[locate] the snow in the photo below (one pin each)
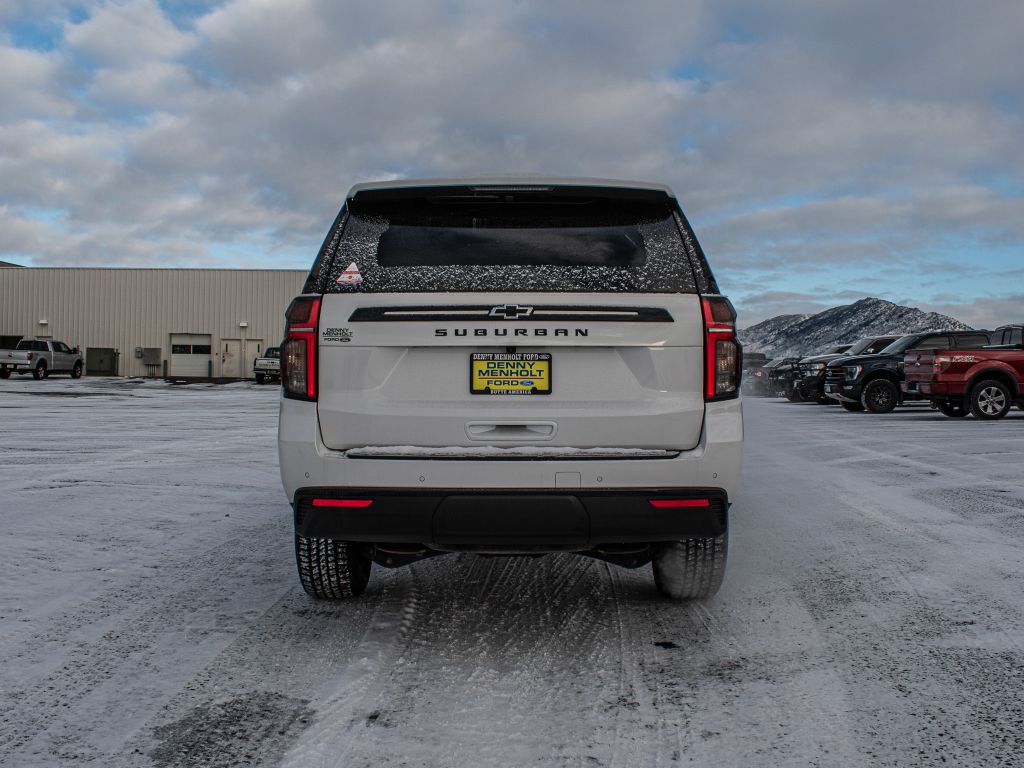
(150, 614)
(498, 452)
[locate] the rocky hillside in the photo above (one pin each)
(800, 335)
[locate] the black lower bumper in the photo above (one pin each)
(495, 520)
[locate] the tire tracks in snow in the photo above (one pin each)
(140, 630)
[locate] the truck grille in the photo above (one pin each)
(835, 376)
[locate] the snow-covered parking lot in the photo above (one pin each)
(873, 612)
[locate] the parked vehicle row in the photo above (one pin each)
(40, 357)
(874, 382)
(960, 372)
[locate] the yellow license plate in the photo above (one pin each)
(510, 373)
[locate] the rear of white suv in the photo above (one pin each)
(505, 367)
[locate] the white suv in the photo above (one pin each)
(507, 367)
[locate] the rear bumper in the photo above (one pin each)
(10, 366)
(511, 520)
(306, 462)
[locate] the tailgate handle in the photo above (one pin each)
(511, 430)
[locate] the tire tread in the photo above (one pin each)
(330, 569)
(691, 569)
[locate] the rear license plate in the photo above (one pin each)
(510, 373)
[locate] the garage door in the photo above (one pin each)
(190, 355)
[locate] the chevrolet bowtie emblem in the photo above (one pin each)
(510, 311)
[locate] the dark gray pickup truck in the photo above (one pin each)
(40, 358)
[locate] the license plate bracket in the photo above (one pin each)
(510, 373)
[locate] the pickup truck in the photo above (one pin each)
(782, 373)
(40, 358)
(267, 366)
(985, 382)
(810, 382)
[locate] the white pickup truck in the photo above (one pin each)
(267, 367)
(40, 357)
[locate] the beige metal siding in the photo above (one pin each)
(128, 308)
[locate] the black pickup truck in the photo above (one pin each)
(811, 379)
(872, 382)
(782, 372)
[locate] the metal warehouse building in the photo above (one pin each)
(182, 323)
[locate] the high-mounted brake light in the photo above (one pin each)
(678, 503)
(299, 350)
(722, 351)
(347, 503)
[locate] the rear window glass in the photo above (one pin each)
(972, 341)
(562, 246)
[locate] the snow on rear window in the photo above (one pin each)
(497, 250)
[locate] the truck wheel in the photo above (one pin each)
(76, 372)
(990, 399)
(795, 396)
(331, 570)
(691, 569)
(259, 378)
(953, 410)
(39, 372)
(5, 374)
(880, 396)
(852, 407)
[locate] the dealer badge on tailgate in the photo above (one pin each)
(510, 373)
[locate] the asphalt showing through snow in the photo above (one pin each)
(872, 614)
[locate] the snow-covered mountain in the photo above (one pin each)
(799, 335)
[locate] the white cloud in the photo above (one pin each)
(127, 34)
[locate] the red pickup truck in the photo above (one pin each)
(985, 382)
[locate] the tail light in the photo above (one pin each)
(299, 350)
(30, 356)
(723, 356)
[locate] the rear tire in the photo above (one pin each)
(795, 396)
(76, 372)
(259, 378)
(880, 396)
(331, 570)
(990, 400)
(852, 407)
(953, 410)
(5, 374)
(691, 569)
(39, 372)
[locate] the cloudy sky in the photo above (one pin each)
(823, 151)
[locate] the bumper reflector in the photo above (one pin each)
(678, 503)
(350, 503)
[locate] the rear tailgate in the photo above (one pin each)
(626, 370)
